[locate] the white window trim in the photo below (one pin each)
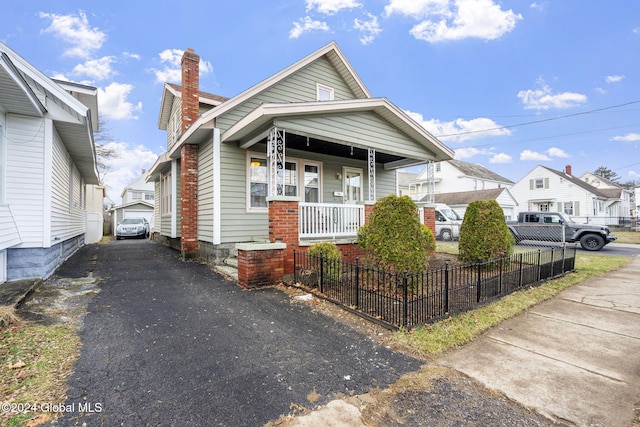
(300, 178)
(320, 87)
(360, 171)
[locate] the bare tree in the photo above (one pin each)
(607, 173)
(103, 153)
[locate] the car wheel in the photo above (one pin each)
(446, 235)
(592, 242)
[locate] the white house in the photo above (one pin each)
(452, 176)
(47, 157)
(137, 201)
(624, 208)
(548, 190)
(459, 201)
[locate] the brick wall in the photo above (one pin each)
(430, 219)
(283, 227)
(257, 268)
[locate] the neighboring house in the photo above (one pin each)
(137, 201)
(459, 201)
(544, 189)
(47, 157)
(405, 181)
(310, 133)
(455, 175)
(615, 191)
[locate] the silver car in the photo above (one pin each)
(133, 227)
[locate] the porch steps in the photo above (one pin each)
(229, 267)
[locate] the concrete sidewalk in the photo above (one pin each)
(574, 359)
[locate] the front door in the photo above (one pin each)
(352, 184)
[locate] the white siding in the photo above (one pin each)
(67, 211)
(9, 234)
(25, 176)
(557, 190)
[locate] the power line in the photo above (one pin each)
(539, 121)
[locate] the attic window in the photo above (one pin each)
(324, 93)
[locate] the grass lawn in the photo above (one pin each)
(35, 363)
(627, 236)
(433, 339)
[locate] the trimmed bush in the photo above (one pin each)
(484, 233)
(394, 238)
(332, 259)
(326, 250)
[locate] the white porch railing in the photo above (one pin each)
(329, 221)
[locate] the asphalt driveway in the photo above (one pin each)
(169, 343)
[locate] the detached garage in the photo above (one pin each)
(138, 209)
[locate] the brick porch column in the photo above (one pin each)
(283, 226)
(430, 218)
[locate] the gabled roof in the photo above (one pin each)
(466, 197)
(71, 118)
(477, 171)
(332, 53)
(580, 183)
(139, 184)
(172, 91)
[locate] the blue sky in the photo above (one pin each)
(506, 84)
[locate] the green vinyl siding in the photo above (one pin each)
(363, 129)
(238, 225)
(298, 87)
(205, 192)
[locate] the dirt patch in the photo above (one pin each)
(434, 396)
(59, 301)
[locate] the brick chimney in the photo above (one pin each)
(567, 170)
(189, 245)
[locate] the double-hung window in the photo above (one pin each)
(165, 194)
(299, 176)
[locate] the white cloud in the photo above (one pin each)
(306, 25)
(538, 6)
(113, 103)
(330, 7)
(75, 30)
(97, 69)
(125, 167)
(532, 155)
(171, 71)
(630, 137)
(501, 158)
(460, 130)
(131, 55)
(442, 20)
(370, 28)
(557, 152)
(543, 98)
(613, 79)
(466, 152)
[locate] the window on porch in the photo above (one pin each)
(309, 175)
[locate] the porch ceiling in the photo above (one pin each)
(344, 129)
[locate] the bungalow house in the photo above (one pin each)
(452, 176)
(548, 190)
(137, 201)
(47, 158)
(459, 201)
(311, 134)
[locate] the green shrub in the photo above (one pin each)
(484, 233)
(327, 250)
(332, 259)
(394, 237)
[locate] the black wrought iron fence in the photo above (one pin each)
(408, 300)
